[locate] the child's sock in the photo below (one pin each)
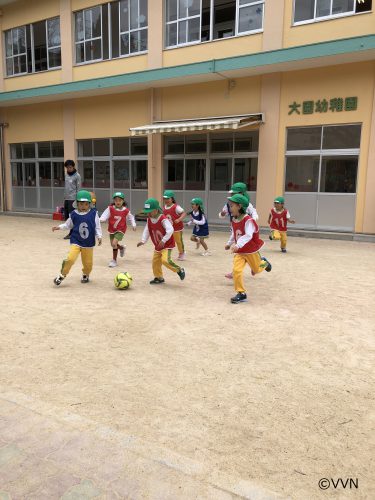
(115, 252)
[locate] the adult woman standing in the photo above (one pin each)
(72, 186)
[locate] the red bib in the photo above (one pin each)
(279, 220)
(157, 232)
(117, 220)
(170, 213)
(252, 246)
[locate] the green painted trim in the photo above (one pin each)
(302, 52)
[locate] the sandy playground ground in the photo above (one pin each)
(278, 391)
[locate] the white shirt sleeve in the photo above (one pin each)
(252, 212)
(249, 231)
(105, 215)
(200, 222)
(98, 228)
(145, 234)
(287, 214)
(130, 219)
(231, 239)
(68, 224)
(169, 230)
(179, 210)
(225, 210)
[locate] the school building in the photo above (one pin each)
(192, 95)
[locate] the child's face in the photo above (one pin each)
(278, 206)
(168, 201)
(153, 214)
(234, 208)
(194, 206)
(83, 206)
(118, 202)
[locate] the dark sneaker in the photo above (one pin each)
(240, 297)
(157, 281)
(85, 278)
(270, 237)
(283, 250)
(268, 267)
(67, 237)
(58, 280)
(181, 273)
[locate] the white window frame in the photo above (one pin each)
(13, 56)
(249, 3)
(317, 19)
(52, 46)
(130, 30)
(85, 40)
(181, 19)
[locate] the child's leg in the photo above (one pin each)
(257, 263)
(196, 240)
(283, 240)
(114, 245)
(204, 244)
(168, 262)
(156, 264)
(239, 263)
(275, 235)
(67, 264)
(87, 257)
(179, 242)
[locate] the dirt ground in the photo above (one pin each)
(278, 391)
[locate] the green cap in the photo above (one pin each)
(197, 201)
(168, 194)
(118, 194)
(84, 196)
(279, 199)
(238, 187)
(150, 205)
(240, 199)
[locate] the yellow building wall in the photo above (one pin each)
(336, 81)
(247, 44)
(211, 99)
(111, 116)
(322, 31)
(33, 80)
(110, 68)
(28, 11)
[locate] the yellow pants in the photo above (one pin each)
(86, 258)
(279, 235)
(178, 238)
(163, 258)
(255, 262)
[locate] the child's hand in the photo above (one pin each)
(134, 228)
(99, 242)
(235, 249)
(227, 247)
(190, 222)
(160, 246)
(55, 228)
(140, 244)
(292, 221)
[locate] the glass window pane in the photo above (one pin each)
(125, 47)
(221, 174)
(195, 175)
(88, 24)
(45, 173)
(16, 150)
(101, 174)
(96, 21)
(44, 150)
(246, 141)
(323, 8)
(80, 33)
(17, 177)
(194, 29)
(139, 146)
(251, 18)
(115, 30)
(19, 40)
(53, 29)
(302, 173)
(8, 43)
(80, 52)
(339, 174)
(29, 150)
(143, 15)
(87, 171)
(171, 10)
(304, 138)
(303, 10)
(134, 14)
(54, 57)
(246, 170)
(174, 174)
(196, 144)
(174, 144)
(135, 42)
(364, 6)
(341, 137)
(193, 7)
(9, 64)
(139, 174)
(182, 8)
(30, 174)
(93, 50)
(342, 6)
(224, 18)
(182, 32)
(105, 34)
(58, 174)
(124, 15)
(222, 143)
(121, 174)
(101, 147)
(121, 146)
(143, 34)
(57, 149)
(85, 148)
(171, 34)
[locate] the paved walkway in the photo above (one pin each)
(49, 454)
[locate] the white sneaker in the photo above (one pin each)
(181, 256)
(206, 254)
(112, 263)
(122, 251)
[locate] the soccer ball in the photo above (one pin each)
(123, 281)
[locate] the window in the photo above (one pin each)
(139, 174)
(302, 173)
(246, 170)
(310, 10)
(111, 30)
(121, 174)
(33, 48)
(174, 174)
(339, 174)
(193, 21)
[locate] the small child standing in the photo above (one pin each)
(176, 215)
(278, 220)
(118, 216)
(245, 244)
(200, 231)
(160, 230)
(85, 226)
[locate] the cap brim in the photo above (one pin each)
(148, 210)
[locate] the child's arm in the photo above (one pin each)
(200, 222)
(130, 220)
(145, 236)
(168, 233)
(98, 229)
(224, 212)
(105, 215)
(251, 210)
(249, 231)
(181, 212)
(230, 241)
(68, 224)
(292, 221)
(269, 218)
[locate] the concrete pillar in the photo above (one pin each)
(2, 52)
(268, 185)
(273, 25)
(67, 37)
(69, 131)
(155, 34)
(155, 149)
(369, 202)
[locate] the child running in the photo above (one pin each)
(160, 230)
(278, 220)
(176, 215)
(200, 231)
(118, 216)
(85, 226)
(245, 244)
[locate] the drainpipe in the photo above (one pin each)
(2, 164)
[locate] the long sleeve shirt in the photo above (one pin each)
(68, 224)
(167, 226)
(129, 218)
(251, 210)
(249, 231)
(72, 186)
